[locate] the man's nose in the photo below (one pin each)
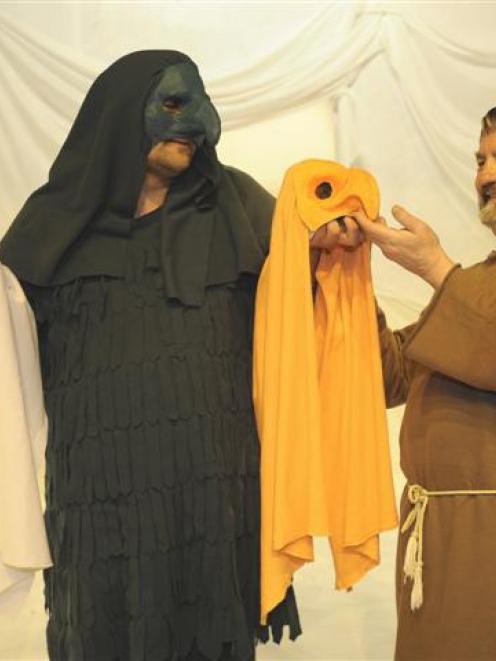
(488, 171)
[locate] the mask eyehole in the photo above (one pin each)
(172, 103)
(323, 190)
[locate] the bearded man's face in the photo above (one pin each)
(485, 181)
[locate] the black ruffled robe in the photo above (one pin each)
(145, 336)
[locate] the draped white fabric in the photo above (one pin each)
(403, 86)
(408, 87)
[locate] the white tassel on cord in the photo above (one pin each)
(417, 596)
(413, 562)
(410, 555)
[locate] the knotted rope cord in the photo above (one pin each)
(413, 563)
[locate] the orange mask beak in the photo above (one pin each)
(326, 191)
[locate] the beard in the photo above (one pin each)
(487, 214)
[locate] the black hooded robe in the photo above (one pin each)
(145, 331)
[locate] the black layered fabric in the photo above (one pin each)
(145, 330)
(152, 467)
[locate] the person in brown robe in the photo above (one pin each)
(444, 369)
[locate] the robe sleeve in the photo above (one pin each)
(396, 369)
(258, 203)
(23, 431)
(456, 334)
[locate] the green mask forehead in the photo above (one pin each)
(179, 107)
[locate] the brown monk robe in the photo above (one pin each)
(444, 368)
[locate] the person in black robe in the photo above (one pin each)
(140, 257)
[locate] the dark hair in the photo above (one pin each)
(488, 123)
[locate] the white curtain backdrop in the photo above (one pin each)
(397, 88)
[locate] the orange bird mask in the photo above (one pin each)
(318, 389)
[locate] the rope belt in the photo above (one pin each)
(412, 567)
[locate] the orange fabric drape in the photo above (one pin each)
(318, 390)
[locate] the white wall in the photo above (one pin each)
(266, 149)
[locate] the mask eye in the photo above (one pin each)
(323, 190)
(171, 103)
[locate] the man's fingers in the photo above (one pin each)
(333, 227)
(378, 232)
(406, 219)
(357, 226)
(326, 237)
(353, 236)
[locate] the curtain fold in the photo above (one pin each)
(438, 76)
